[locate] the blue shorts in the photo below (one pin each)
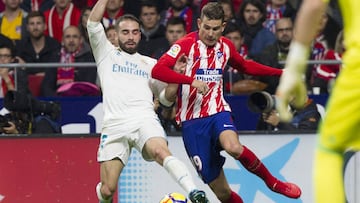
(201, 140)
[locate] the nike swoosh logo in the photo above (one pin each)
(226, 126)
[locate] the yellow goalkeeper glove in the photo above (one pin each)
(292, 87)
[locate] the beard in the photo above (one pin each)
(129, 50)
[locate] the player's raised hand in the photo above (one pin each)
(292, 86)
(201, 86)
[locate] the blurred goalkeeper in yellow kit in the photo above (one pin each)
(340, 130)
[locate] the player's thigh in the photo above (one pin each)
(110, 172)
(152, 139)
(114, 144)
(341, 126)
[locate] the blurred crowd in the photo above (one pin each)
(54, 31)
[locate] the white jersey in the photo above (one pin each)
(124, 80)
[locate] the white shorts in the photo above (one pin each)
(117, 141)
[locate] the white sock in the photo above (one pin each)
(99, 195)
(179, 172)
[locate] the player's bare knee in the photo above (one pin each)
(234, 149)
(160, 153)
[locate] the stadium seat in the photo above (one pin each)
(35, 84)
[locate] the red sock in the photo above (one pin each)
(249, 160)
(252, 163)
(234, 198)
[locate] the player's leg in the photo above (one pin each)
(230, 142)
(113, 154)
(338, 132)
(157, 150)
(109, 175)
(223, 191)
(328, 177)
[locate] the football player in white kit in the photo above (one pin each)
(129, 117)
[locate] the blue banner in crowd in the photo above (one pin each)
(84, 114)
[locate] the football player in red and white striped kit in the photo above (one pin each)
(205, 116)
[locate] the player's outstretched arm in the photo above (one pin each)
(98, 11)
(292, 84)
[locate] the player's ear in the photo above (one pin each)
(223, 26)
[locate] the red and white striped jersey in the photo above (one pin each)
(205, 64)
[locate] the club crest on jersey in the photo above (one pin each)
(174, 50)
(220, 56)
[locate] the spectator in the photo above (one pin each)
(236, 35)
(181, 9)
(229, 11)
(6, 74)
(37, 47)
(320, 45)
(73, 49)
(277, 9)
(151, 29)
(36, 5)
(114, 9)
(325, 74)
(305, 118)
(26, 114)
(252, 16)
(272, 54)
(231, 76)
(12, 20)
(112, 35)
(319, 48)
(133, 6)
(60, 16)
(175, 29)
(85, 12)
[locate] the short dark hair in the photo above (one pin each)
(213, 11)
(4, 45)
(176, 21)
(34, 14)
(233, 27)
(149, 3)
(126, 17)
(111, 27)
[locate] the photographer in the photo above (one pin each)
(27, 115)
(306, 118)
